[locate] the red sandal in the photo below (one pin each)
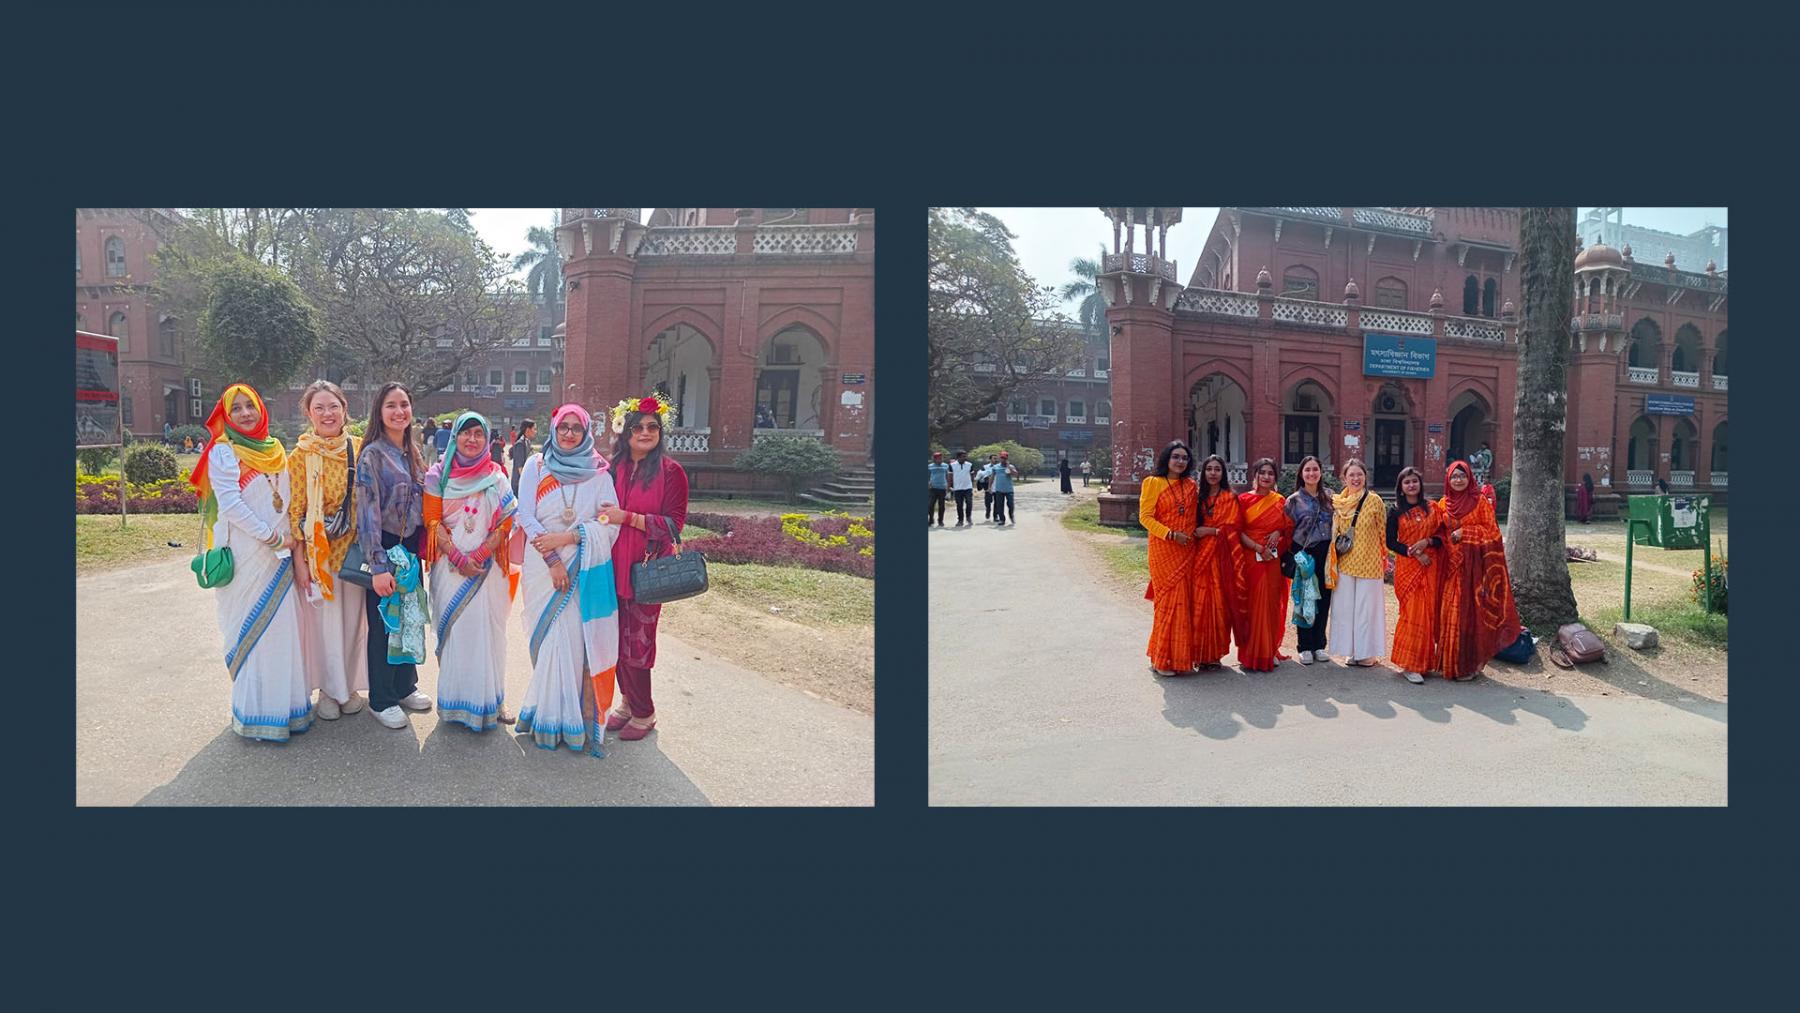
(633, 732)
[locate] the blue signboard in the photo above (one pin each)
(1395, 355)
(1668, 404)
(1077, 435)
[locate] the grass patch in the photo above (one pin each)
(1681, 620)
(101, 544)
(1128, 560)
(1085, 516)
(813, 597)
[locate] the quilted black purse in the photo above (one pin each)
(668, 578)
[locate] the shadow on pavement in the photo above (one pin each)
(356, 761)
(1622, 671)
(1222, 703)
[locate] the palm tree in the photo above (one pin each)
(1535, 555)
(1086, 288)
(544, 283)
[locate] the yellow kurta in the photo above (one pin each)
(336, 479)
(1366, 557)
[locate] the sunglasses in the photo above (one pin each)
(646, 427)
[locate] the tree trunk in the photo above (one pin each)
(1535, 554)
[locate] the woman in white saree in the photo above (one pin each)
(468, 514)
(571, 603)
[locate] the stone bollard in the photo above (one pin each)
(1636, 636)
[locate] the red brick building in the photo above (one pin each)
(113, 276)
(1250, 360)
(1065, 417)
(754, 320)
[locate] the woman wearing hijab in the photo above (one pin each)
(242, 481)
(334, 631)
(1358, 593)
(1477, 615)
(1215, 564)
(390, 529)
(1169, 508)
(1415, 537)
(1067, 488)
(468, 514)
(1265, 532)
(653, 504)
(1584, 499)
(571, 599)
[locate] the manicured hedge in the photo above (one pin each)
(837, 543)
(101, 496)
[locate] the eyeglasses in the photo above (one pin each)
(1178, 457)
(575, 430)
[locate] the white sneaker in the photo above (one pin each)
(416, 701)
(1306, 657)
(393, 717)
(354, 704)
(327, 710)
(1414, 678)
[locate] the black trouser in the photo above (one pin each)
(1084, 480)
(936, 507)
(965, 506)
(1313, 638)
(388, 684)
(987, 504)
(1003, 508)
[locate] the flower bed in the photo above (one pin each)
(835, 542)
(100, 495)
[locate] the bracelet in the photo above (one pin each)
(274, 540)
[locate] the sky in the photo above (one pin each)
(1048, 238)
(504, 228)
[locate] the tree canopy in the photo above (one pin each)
(257, 325)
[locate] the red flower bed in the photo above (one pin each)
(101, 496)
(761, 540)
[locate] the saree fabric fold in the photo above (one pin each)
(472, 611)
(1417, 587)
(1166, 506)
(1216, 589)
(1264, 595)
(1477, 616)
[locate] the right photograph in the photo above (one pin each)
(1328, 506)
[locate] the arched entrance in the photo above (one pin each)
(1684, 446)
(679, 362)
(1645, 348)
(1640, 453)
(1305, 411)
(1217, 408)
(1717, 464)
(789, 380)
(1684, 359)
(1719, 371)
(1471, 424)
(1389, 446)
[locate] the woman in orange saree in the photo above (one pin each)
(1265, 530)
(1215, 564)
(1477, 616)
(1415, 535)
(1168, 508)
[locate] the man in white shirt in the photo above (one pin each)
(962, 486)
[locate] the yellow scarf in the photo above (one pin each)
(1343, 507)
(314, 450)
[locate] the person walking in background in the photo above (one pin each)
(1267, 531)
(1477, 615)
(1359, 620)
(938, 480)
(1309, 507)
(984, 481)
(962, 488)
(1483, 462)
(1000, 478)
(521, 451)
(441, 441)
(1584, 499)
(1415, 537)
(1216, 615)
(428, 430)
(1063, 467)
(1168, 508)
(1086, 468)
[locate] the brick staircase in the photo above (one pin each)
(848, 490)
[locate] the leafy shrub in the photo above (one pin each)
(94, 460)
(835, 542)
(356, 428)
(146, 463)
(1100, 461)
(101, 496)
(1025, 459)
(1502, 494)
(1720, 586)
(796, 460)
(197, 433)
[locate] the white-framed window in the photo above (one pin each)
(522, 341)
(125, 411)
(119, 327)
(468, 380)
(115, 257)
(544, 334)
(1101, 367)
(496, 378)
(165, 336)
(1017, 410)
(1077, 411)
(992, 416)
(521, 379)
(1047, 406)
(543, 384)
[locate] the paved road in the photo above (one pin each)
(153, 728)
(1041, 695)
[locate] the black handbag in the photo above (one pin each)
(355, 568)
(668, 578)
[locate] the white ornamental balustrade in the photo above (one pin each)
(1137, 263)
(1082, 419)
(805, 240)
(1100, 374)
(1639, 479)
(761, 434)
(1392, 220)
(689, 241)
(690, 441)
(1217, 303)
(1719, 382)
(1718, 479)
(1641, 374)
(1238, 474)
(1389, 322)
(1476, 330)
(1681, 379)
(1681, 480)
(1102, 420)
(1310, 314)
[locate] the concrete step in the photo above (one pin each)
(835, 502)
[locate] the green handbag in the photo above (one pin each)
(212, 567)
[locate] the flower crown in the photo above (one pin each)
(655, 404)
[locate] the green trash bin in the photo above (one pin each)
(1671, 522)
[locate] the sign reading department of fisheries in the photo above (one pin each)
(1397, 355)
(1668, 404)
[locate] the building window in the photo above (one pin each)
(125, 412)
(1047, 407)
(115, 257)
(1301, 436)
(81, 325)
(1103, 411)
(522, 341)
(1390, 294)
(117, 326)
(469, 380)
(1077, 411)
(543, 386)
(1101, 365)
(521, 379)
(1471, 296)
(544, 336)
(1490, 294)
(495, 378)
(1016, 410)
(1300, 283)
(165, 337)
(77, 254)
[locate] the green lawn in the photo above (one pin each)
(813, 597)
(101, 544)
(1085, 516)
(758, 507)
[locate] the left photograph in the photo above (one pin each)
(474, 506)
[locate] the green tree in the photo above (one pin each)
(990, 330)
(256, 325)
(797, 460)
(1086, 287)
(544, 281)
